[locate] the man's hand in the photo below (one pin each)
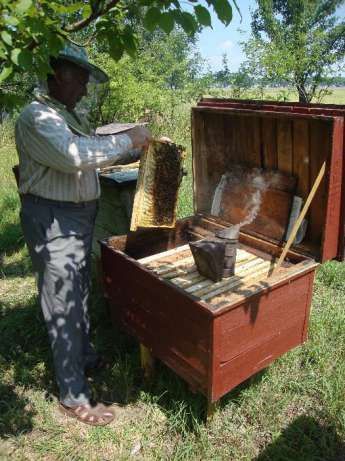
(140, 137)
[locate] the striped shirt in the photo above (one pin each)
(56, 163)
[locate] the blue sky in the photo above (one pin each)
(213, 43)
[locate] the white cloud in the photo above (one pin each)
(226, 45)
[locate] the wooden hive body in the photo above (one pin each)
(215, 346)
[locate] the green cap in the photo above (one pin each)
(77, 54)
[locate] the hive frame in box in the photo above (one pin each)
(200, 350)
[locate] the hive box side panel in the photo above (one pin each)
(174, 327)
(252, 335)
(334, 234)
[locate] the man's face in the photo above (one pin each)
(72, 83)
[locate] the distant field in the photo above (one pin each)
(337, 95)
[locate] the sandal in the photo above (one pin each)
(95, 415)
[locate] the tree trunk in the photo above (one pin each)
(302, 94)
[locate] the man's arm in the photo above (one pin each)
(49, 141)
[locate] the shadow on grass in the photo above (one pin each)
(305, 439)
(23, 350)
(15, 415)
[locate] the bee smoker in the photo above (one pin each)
(215, 258)
(229, 236)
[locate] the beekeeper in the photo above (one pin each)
(59, 189)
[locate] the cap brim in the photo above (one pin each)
(96, 74)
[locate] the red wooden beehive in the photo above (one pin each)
(215, 343)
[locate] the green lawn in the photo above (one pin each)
(292, 411)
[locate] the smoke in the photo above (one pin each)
(241, 179)
(255, 203)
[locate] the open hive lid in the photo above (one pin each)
(295, 145)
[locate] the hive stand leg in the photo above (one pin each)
(211, 410)
(147, 362)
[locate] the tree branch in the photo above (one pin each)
(79, 25)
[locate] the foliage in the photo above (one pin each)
(298, 41)
(222, 78)
(34, 30)
(154, 85)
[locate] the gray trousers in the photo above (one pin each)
(59, 239)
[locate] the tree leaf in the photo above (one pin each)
(86, 11)
(166, 22)
(11, 21)
(116, 49)
(223, 10)
(22, 58)
(6, 38)
(14, 56)
(5, 72)
(67, 9)
(187, 22)
(23, 6)
(152, 18)
(55, 43)
(129, 42)
(203, 15)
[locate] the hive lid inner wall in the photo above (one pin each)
(293, 144)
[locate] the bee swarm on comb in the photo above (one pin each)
(157, 188)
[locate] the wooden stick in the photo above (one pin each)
(301, 216)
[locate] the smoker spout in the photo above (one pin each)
(231, 233)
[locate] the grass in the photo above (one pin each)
(292, 411)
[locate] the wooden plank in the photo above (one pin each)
(301, 156)
(164, 254)
(280, 278)
(264, 113)
(319, 152)
(214, 140)
(201, 192)
(267, 328)
(207, 288)
(242, 283)
(334, 205)
(231, 148)
(269, 143)
(284, 146)
(248, 325)
(253, 141)
(252, 361)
